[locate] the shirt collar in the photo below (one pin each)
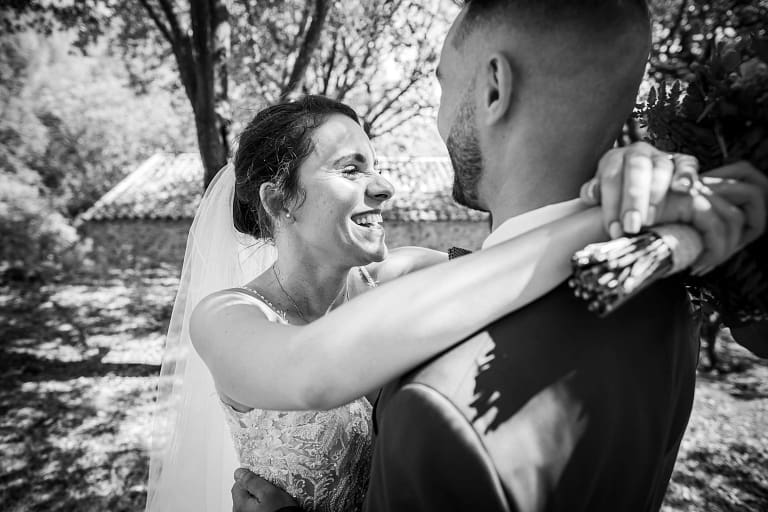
(533, 219)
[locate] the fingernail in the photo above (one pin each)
(239, 474)
(632, 221)
(651, 217)
(682, 184)
(614, 230)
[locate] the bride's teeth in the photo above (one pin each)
(368, 218)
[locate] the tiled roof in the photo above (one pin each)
(167, 187)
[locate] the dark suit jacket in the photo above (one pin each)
(549, 408)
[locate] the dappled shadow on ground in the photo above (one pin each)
(58, 453)
(24, 367)
(78, 363)
(722, 460)
(739, 373)
(717, 480)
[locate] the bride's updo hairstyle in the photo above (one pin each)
(271, 149)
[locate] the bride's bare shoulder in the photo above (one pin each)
(220, 309)
(404, 260)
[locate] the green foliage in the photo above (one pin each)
(722, 117)
(687, 32)
(38, 242)
(71, 128)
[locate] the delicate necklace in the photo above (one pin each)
(296, 306)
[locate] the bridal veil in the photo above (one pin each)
(192, 456)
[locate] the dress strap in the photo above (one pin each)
(271, 307)
(367, 277)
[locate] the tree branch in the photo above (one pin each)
(158, 22)
(330, 63)
(173, 21)
(310, 43)
(386, 105)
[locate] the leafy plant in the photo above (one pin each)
(722, 117)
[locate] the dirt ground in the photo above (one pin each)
(77, 370)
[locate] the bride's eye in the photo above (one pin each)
(350, 170)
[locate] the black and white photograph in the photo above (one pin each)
(384, 255)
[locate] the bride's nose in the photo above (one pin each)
(379, 189)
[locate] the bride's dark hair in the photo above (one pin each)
(271, 149)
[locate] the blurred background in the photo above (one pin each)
(113, 118)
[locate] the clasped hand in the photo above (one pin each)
(639, 186)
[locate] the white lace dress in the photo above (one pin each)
(321, 458)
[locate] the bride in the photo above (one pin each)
(291, 336)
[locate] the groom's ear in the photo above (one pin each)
(498, 88)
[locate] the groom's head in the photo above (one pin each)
(539, 82)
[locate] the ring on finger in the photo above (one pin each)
(590, 191)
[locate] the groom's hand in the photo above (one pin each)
(728, 207)
(742, 185)
(251, 493)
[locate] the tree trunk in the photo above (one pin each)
(210, 101)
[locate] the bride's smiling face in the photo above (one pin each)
(339, 213)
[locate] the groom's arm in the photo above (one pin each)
(428, 458)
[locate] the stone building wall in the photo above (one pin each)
(138, 243)
(146, 243)
(437, 235)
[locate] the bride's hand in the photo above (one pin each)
(727, 207)
(251, 493)
(631, 183)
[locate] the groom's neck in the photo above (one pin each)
(520, 179)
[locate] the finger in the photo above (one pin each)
(636, 191)
(242, 501)
(713, 233)
(250, 482)
(696, 210)
(733, 220)
(686, 173)
(609, 172)
(749, 199)
(741, 171)
(663, 170)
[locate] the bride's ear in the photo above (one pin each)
(497, 84)
(272, 199)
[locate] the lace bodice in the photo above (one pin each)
(321, 458)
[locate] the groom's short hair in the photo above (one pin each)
(595, 18)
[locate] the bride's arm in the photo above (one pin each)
(383, 333)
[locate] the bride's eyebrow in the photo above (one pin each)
(355, 157)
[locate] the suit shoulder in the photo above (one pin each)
(424, 437)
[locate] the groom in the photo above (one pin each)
(549, 408)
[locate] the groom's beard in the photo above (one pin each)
(466, 157)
